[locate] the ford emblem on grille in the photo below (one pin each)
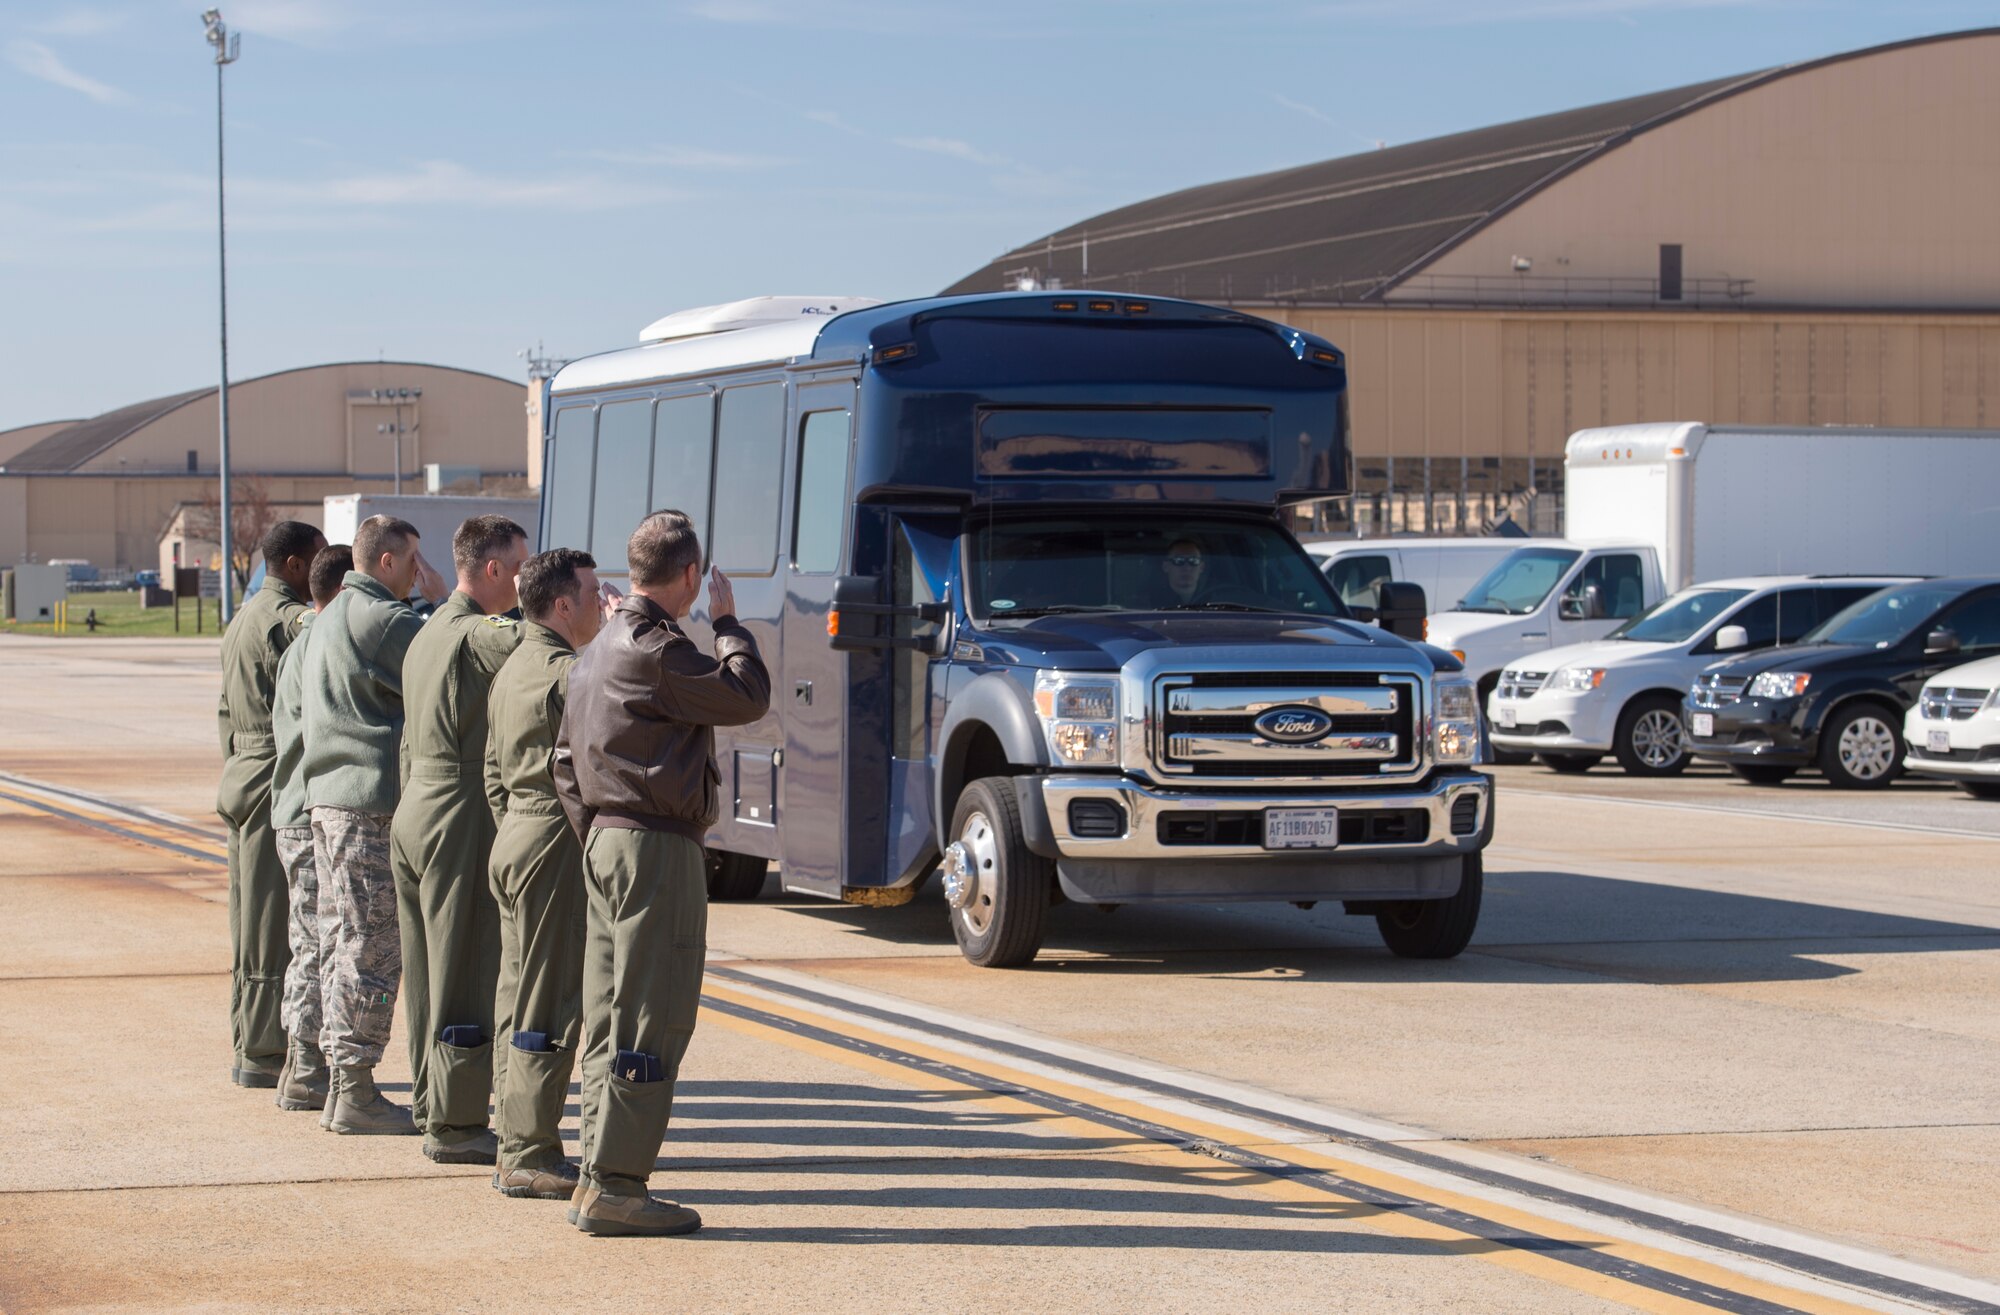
(1294, 725)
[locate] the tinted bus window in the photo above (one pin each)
(566, 483)
(749, 465)
(822, 497)
(624, 447)
(683, 434)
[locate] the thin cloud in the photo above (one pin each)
(690, 157)
(829, 119)
(76, 21)
(290, 20)
(1452, 13)
(38, 61)
(953, 147)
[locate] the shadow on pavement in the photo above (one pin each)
(1536, 926)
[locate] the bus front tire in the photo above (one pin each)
(1435, 928)
(997, 888)
(735, 877)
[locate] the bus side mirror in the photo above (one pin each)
(859, 619)
(1940, 642)
(1730, 638)
(1401, 608)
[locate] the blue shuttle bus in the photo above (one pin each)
(1019, 566)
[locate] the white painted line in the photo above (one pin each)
(1348, 1123)
(1769, 814)
(108, 807)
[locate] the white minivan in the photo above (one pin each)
(1622, 694)
(1953, 732)
(1445, 568)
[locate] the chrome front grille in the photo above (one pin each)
(1711, 691)
(1945, 703)
(1521, 684)
(1208, 724)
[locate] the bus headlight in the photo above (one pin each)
(1079, 717)
(1455, 721)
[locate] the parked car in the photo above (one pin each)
(1954, 731)
(1622, 694)
(1444, 568)
(1838, 700)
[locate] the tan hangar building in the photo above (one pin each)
(109, 490)
(1806, 245)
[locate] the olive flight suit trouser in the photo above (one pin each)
(646, 938)
(439, 847)
(259, 905)
(538, 885)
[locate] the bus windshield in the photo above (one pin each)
(1520, 582)
(1681, 617)
(1017, 570)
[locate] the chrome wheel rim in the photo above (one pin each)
(971, 869)
(1657, 738)
(1867, 748)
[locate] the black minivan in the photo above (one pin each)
(1836, 700)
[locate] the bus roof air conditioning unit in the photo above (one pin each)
(749, 313)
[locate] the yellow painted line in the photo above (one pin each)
(1391, 1221)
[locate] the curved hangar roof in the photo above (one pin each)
(1353, 228)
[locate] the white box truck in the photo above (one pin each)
(434, 516)
(1651, 509)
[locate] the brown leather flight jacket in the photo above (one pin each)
(636, 749)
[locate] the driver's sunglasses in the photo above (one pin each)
(1184, 559)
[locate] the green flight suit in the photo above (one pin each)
(538, 883)
(439, 845)
(259, 910)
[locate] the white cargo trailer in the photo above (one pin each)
(1720, 500)
(435, 517)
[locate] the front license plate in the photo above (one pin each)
(1940, 741)
(1704, 724)
(1301, 828)
(1505, 717)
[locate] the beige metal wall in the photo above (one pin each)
(1868, 182)
(319, 421)
(114, 521)
(1490, 397)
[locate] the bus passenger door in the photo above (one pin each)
(810, 693)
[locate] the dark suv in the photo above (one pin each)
(1837, 699)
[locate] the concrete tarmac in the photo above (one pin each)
(1671, 1021)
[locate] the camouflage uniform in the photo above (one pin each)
(259, 950)
(352, 713)
(441, 842)
(538, 882)
(358, 977)
(302, 1012)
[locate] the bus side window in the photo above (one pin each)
(683, 446)
(567, 481)
(820, 509)
(624, 442)
(749, 465)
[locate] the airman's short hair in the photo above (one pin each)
(550, 575)
(480, 539)
(288, 539)
(662, 548)
(330, 566)
(380, 534)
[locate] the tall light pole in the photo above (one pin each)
(227, 47)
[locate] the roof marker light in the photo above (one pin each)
(896, 353)
(1065, 305)
(1103, 306)
(1136, 308)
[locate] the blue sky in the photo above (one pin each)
(454, 181)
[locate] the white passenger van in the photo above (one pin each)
(1445, 568)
